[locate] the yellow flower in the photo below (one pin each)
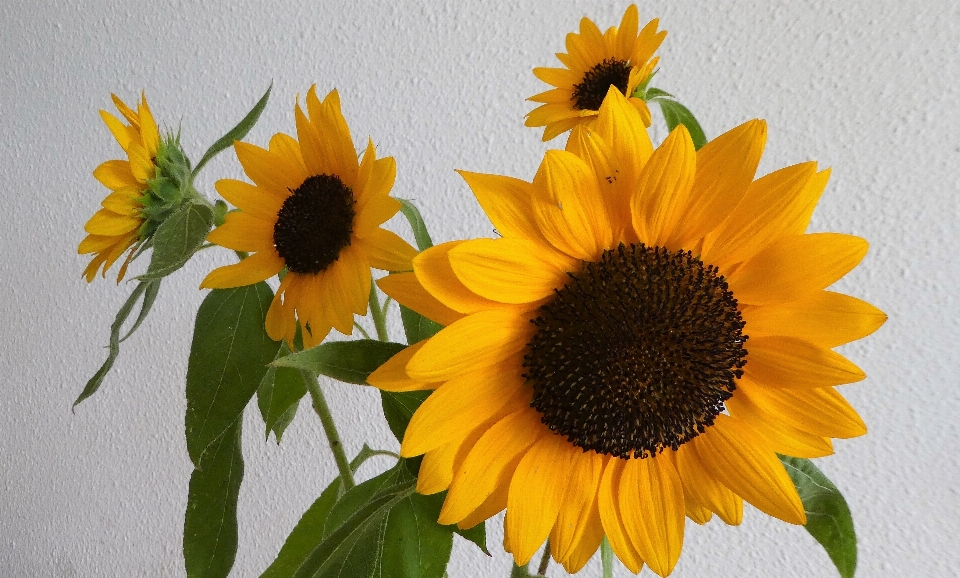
(594, 62)
(595, 376)
(118, 225)
(316, 211)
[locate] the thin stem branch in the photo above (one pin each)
(544, 560)
(379, 314)
(606, 558)
(362, 330)
(330, 429)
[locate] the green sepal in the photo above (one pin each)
(228, 359)
(178, 238)
(676, 114)
(415, 219)
(210, 523)
(278, 396)
(346, 361)
(237, 132)
(828, 517)
(521, 572)
(146, 289)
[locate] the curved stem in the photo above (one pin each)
(379, 314)
(330, 429)
(544, 560)
(606, 558)
(362, 330)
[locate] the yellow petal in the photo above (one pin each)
(648, 41)
(663, 188)
(603, 162)
(120, 131)
(507, 203)
(96, 243)
(769, 205)
(778, 361)
(376, 213)
(627, 33)
(328, 119)
(495, 503)
(150, 133)
(510, 270)
(376, 188)
(463, 403)
(349, 284)
(392, 375)
(559, 127)
(124, 202)
(281, 321)
(824, 318)
(255, 268)
(608, 502)
(386, 250)
(258, 202)
(556, 76)
(781, 437)
(126, 111)
(703, 489)
(267, 169)
(622, 127)
(436, 469)
(536, 491)
(243, 232)
(108, 223)
(809, 199)
(588, 543)
(407, 290)
(821, 411)
(491, 463)
(116, 175)
(287, 147)
(795, 267)
(476, 341)
(316, 156)
(736, 456)
(435, 274)
(569, 207)
(651, 505)
(573, 518)
(725, 168)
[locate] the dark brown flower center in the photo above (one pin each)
(637, 353)
(588, 95)
(314, 224)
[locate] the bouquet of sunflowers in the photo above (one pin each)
(648, 337)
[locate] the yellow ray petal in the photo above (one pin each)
(824, 318)
(739, 459)
(471, 343)
(580, 498)
(495, 503)
(116, 175)
(374, 214)
(559, 127)
(335, 134)
(243, 232)
(651, 506)
(510, 270)
(255, 268)
(809, 199)
(268, 170)
(316, 156)
(556, 76)
(96, 243)
(141, 163)
(627, 33)
(392, 375)
(725, 168)
(588, 543)
(506, 201)
(124, 202)
(795, 267)
(622, 127)
(407, 290)
(536, 491)
(778, 361)
(150, 133)
(704, 489)
(602, 160)
(491, 463)
(386, 250)
(435, 274)
(663, 188)
(821, 411)
(781, 437)
(280, 316)
(569, 208)
(108, 223)
(285, 146)
(608, 502)
(126, 111)
(258, 202)
(463, 403)
(120, 131)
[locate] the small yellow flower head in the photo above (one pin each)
(315, 210)
(595, 61)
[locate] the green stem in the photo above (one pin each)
(379, 314)
(544, 560)
(362, 330)
(330, 429)
(606, 558)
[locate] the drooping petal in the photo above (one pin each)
(255, 268)
(608, 502)
(578, 501)
(105, 222)
(651, 506)
(704, 489)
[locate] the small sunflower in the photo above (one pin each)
(315, 211)
(118, 226)
(595, 376)
(594, 62)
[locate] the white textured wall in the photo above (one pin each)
(867, 87)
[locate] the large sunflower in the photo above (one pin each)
(595, 376)
(593, 63)
(315, 211)
(118, 225)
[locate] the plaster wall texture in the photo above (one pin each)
(869, 88)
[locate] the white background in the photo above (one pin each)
(867, 87)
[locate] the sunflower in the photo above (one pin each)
(593, 63)
(595, 375)
(315, 211)
(118, 226)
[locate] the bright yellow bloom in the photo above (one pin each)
(117, 226)
(594, 62)
(595, 376)
(316, 211)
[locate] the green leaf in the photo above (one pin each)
(676, 114)
(416, 327)
(828, 516)
(279, 394)
(147, 289)
(398, 408)
(237, 132)
(346, 361)
(228, 360)
(476, 534)
(420, 233)
(210, 524)
(656, 93)
(178, 238)
(413, 544)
